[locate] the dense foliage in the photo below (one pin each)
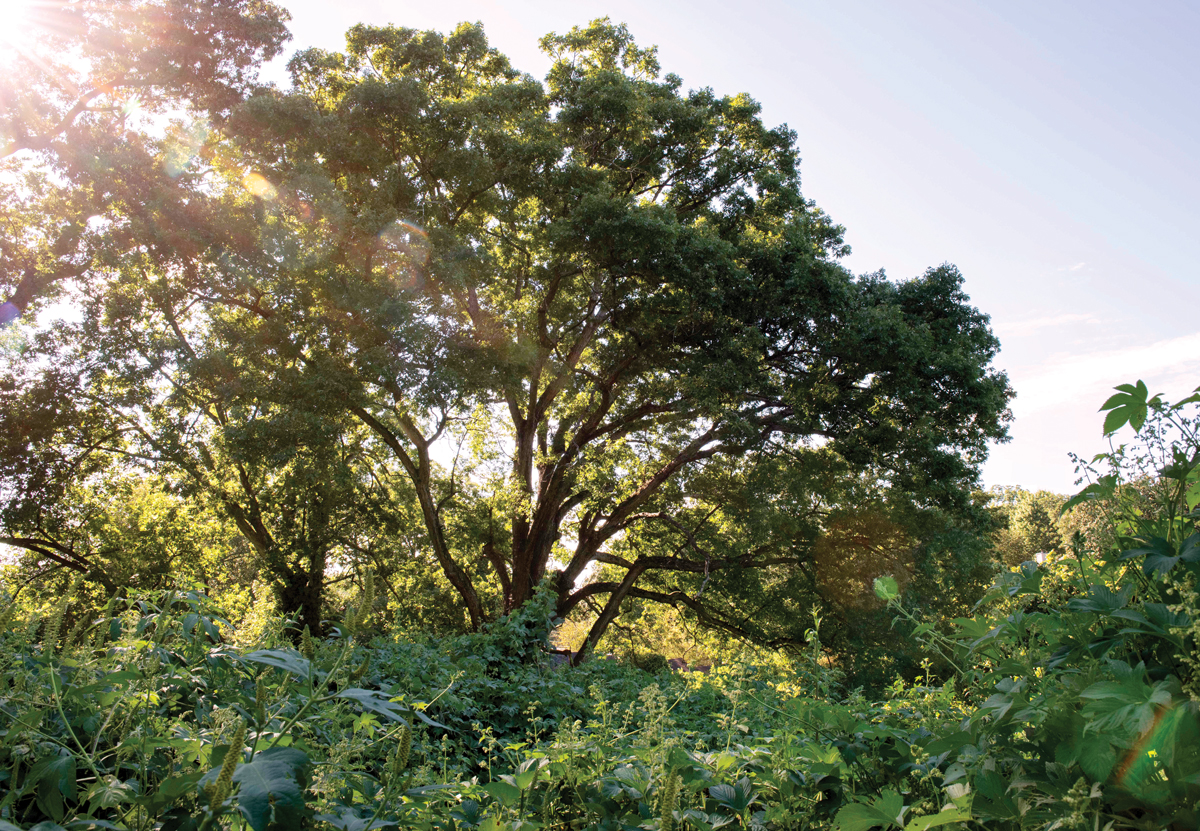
(1071, 702)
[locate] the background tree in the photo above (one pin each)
(1030, 524)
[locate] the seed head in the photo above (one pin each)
(403, 748)
(219, 790)
(53, 628)
(307, 648)
(366, 604)
(668, 800)
(260, 702)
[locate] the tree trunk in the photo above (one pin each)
(300, 594)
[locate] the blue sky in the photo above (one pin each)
(1050, 150)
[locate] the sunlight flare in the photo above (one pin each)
(16, 20)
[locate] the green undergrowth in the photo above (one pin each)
(1070, 703)
(128, 722)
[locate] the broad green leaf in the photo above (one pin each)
(419, 713)
(1123, 707)
(56, 780)
(527, 772)
(953, 741)
(884, 811)
(502, 792)
(380, 703)
(737, 797)
(724, 761)
(722, 793)
(1128, 406)
(289, 660)
(944, 817)
(1101, 600)
(109, 793)
(1097, 757)
(468, 811)
(1161, 556)
(271, 789)
(954, 773)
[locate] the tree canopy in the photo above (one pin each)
(586, 333)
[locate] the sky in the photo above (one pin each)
(1049, 150)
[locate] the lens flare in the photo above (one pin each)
(1139, 769)
(402, 252)
(8, 313)
(183, 147)
(258, 185)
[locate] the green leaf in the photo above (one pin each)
(380, 703)
(527, 771)
(1160, 555)
(1094, 753)
(1128, 406)
(271, 789)
(954, 741)
(722, 793)
(1101, 599)
(109, 793)
(347, 820)
(737, 797)
(1124, 708)
(884, 811)
(502, 792)
(56, 779)
(944, 817)
(468, 812)
(289, 660)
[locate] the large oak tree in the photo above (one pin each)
(563, 327)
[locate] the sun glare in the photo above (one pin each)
(16, 21)
(15, 16)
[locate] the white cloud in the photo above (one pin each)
(1171, 366)
(1026, 327)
